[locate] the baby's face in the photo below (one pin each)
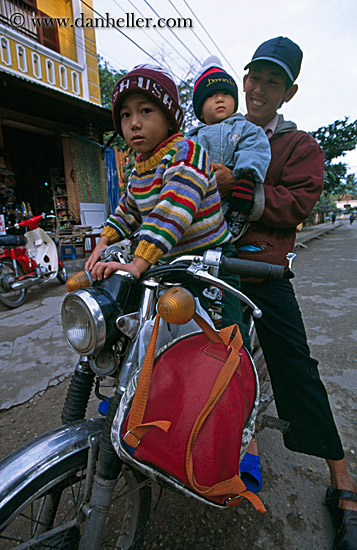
(217, 107)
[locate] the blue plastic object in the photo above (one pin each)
(68, 251)
(250, 472)
(103, 407)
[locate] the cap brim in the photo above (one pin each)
(273, 60)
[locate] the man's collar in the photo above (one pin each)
(270, 128)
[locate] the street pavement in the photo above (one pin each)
(33, 350)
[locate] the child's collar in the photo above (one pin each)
(161, 150)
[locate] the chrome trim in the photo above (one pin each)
(96, 316)
(18, 470)
(148, 301)
(124, 274)
(186, 258)
(129, 324)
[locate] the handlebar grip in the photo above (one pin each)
(248, 268)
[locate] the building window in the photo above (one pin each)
(75, 83)
(5, 51)
(50, 70)
(21, 58)
(63, 77)
(36, 65)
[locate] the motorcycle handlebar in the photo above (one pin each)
(248, 268)
(31, 221)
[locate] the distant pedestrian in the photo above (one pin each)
(333, 217)
(352, 218)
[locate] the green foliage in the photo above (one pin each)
(336, 140)
(325, 204)
(108, 77)
(185, 89)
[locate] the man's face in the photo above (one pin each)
(144, 124)
(265, 90)
(217, 107)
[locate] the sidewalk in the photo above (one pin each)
(306, 235)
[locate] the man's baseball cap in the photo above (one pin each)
(283, 52)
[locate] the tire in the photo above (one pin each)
(54, 498)
(62, 275)
(14, 298)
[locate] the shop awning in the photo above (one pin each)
(20, 96)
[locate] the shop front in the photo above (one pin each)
(51, 152)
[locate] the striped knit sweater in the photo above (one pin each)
(173, 196)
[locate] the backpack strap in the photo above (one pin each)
(136, 428)
(231, 337)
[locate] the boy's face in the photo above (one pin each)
(143, 123)
(217, 107)
(265, 91)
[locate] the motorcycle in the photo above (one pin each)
(68, 488)
(27, 260)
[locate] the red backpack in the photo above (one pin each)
(189, 410)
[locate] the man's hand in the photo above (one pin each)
(224, 178)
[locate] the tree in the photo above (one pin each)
(335, 140)
(185, 89)
(108, 77)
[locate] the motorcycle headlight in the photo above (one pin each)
(89, 315)
(83, 323)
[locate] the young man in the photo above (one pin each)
(292, 186)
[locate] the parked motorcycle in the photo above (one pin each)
(68, 488)
(27, 260)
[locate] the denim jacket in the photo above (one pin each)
(237, 144)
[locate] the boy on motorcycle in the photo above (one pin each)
(172, 195)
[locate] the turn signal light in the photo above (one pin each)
(82, 279)
(176, 306)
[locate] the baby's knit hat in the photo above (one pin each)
(210, 79)
(154, 82)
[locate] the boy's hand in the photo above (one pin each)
(101, 245)
(224, 178)
(104, 269)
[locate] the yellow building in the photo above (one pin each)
(51, 119)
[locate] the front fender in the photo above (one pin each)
(19, 469)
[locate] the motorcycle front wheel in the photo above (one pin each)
(13, 298)
(49, 516)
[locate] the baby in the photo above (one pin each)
(232, 141)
